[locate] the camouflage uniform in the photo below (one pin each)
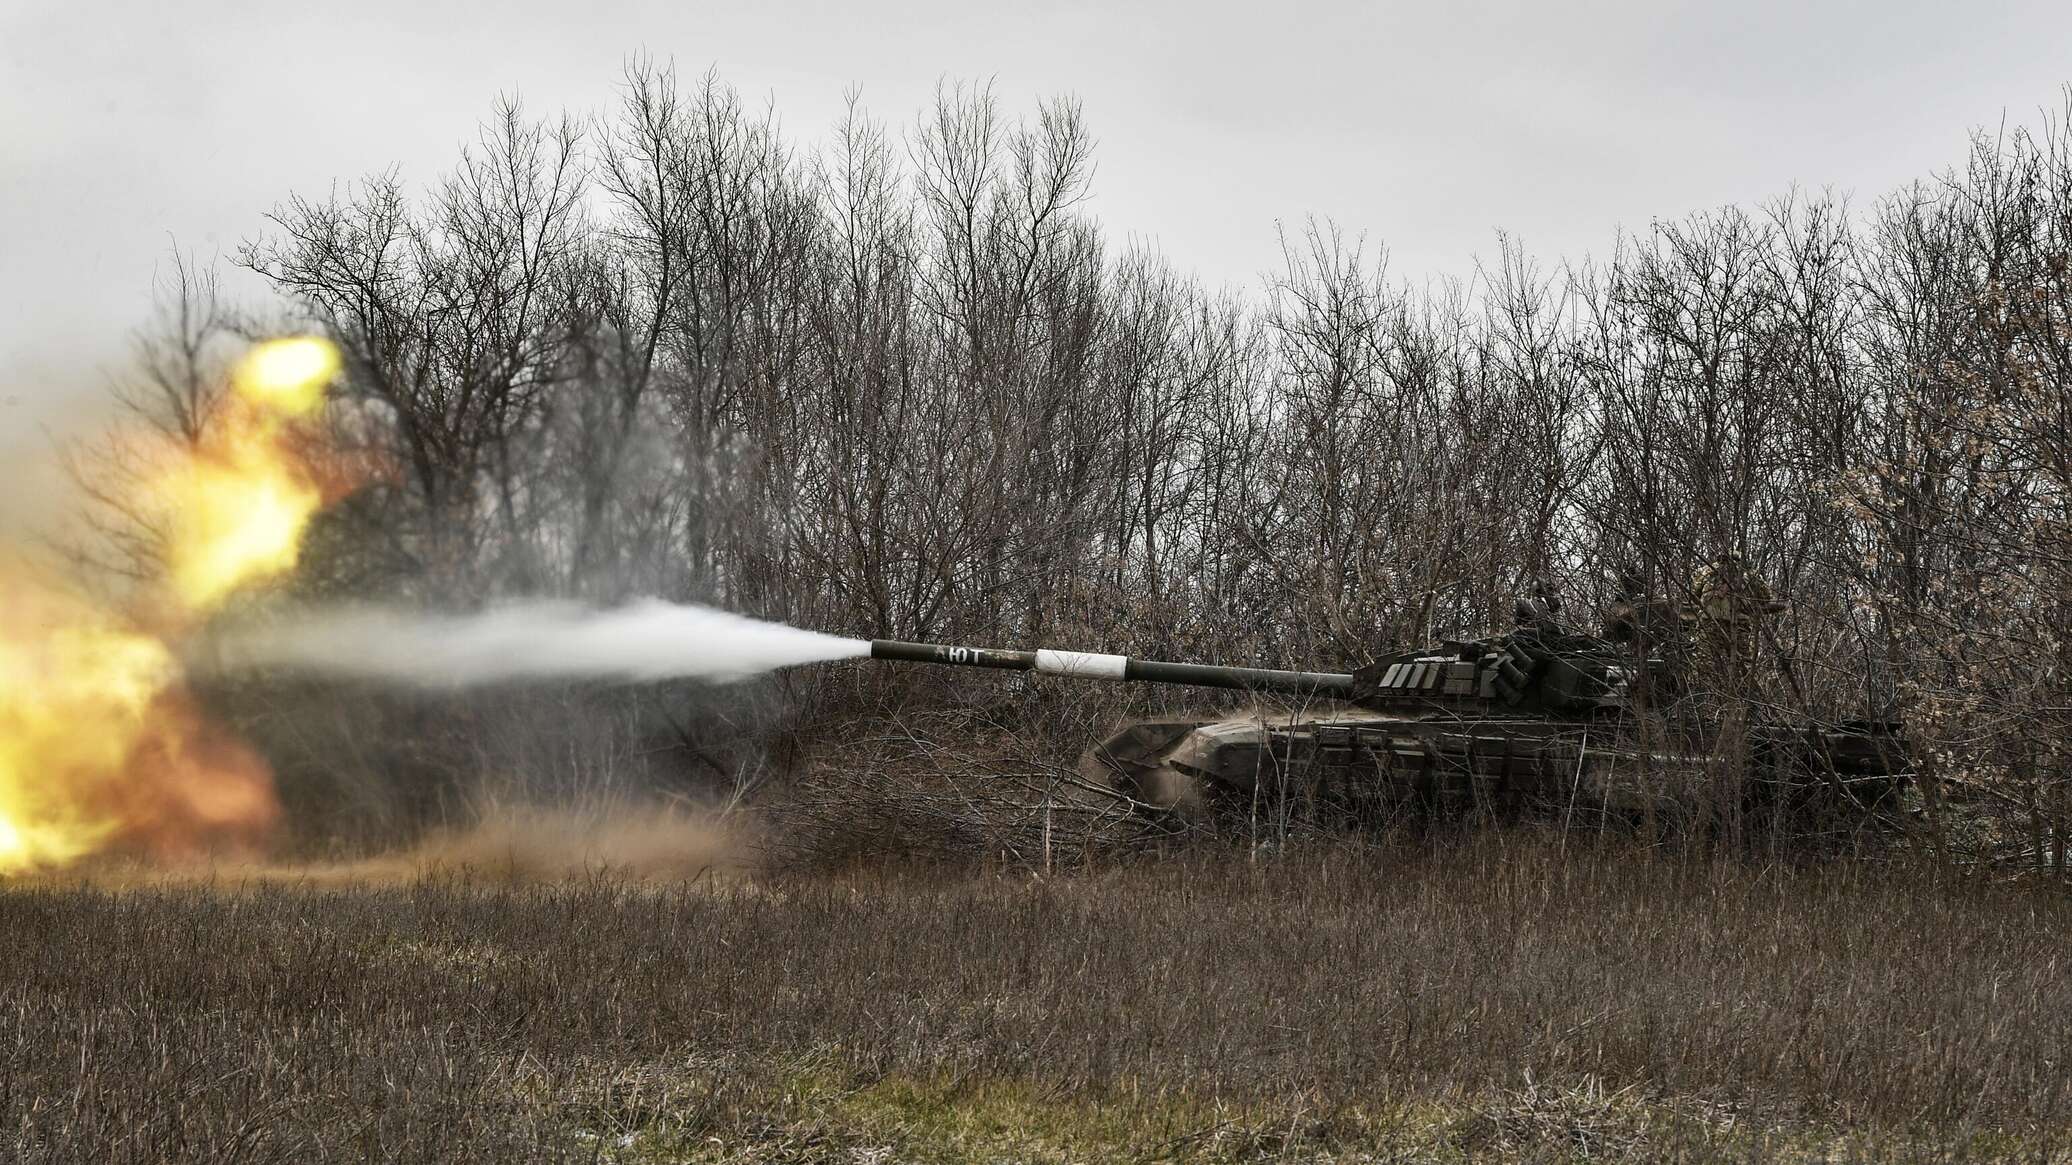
(1728, 599)
(1638, 620)
(1541, 612)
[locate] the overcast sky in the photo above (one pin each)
(1427, 125)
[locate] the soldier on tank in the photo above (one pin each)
(1636, 618)
(1728, 600)
(1540, 611)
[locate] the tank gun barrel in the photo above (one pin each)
(1099, 666)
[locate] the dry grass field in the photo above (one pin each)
(1501, 997)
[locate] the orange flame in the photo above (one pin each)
(239, 503)
(99, 744)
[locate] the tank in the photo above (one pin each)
(1542, 719)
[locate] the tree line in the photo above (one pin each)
(899, 383)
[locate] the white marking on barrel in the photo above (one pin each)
(1091, 665)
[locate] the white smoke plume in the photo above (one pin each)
(646, 640)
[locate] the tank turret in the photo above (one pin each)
(1539, 666)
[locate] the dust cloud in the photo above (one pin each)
(508, 847)
(555, 845)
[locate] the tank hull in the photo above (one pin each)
(1372, 766)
